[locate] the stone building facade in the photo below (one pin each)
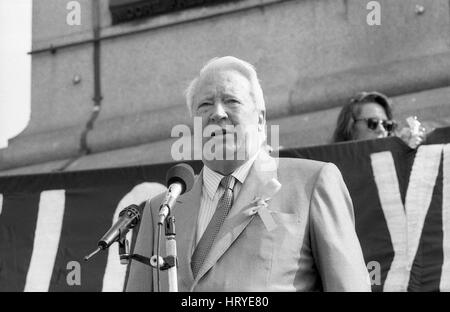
(107, 92)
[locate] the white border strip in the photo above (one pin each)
(46, 240)
(386, 180)
(445, 276)
(1, 203)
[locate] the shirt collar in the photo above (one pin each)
(211, 179)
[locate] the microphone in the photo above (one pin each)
(129, 217)
(179, 180)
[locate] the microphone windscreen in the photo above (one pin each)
(182, 173)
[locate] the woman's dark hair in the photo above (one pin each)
(350, 112)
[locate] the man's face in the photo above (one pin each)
(230, 120)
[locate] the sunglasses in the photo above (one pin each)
(372, 123)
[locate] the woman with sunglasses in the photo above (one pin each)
(369, 116)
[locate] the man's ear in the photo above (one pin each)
(261, 120)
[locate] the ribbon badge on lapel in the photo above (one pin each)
(259, 205)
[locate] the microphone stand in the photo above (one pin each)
(170, 262)
(171, 251)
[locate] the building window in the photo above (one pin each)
(128, 10)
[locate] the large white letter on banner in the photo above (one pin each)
(418, 198)
(46, 240)
(114, 277)
(391, 202)
(419, 193)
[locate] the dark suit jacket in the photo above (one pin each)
(313, 246)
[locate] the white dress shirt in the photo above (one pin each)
(212, 191)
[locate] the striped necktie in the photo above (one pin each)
(208, 237)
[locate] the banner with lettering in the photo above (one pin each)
(401, 197)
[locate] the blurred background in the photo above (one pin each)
(102, 83)
(15, 67)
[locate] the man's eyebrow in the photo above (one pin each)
(204, 99)
(232, 93)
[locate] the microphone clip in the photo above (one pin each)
(164, 263)
(124, 251)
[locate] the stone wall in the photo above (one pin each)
(311, 56)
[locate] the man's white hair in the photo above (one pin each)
(229, 63)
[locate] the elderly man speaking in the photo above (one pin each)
(253, 222)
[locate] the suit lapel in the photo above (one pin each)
(238, 218)
(187, 209)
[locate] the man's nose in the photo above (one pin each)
(218, 113)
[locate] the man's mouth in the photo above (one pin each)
(219, 132)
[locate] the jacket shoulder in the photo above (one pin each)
(301, 167)
(306, 173)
